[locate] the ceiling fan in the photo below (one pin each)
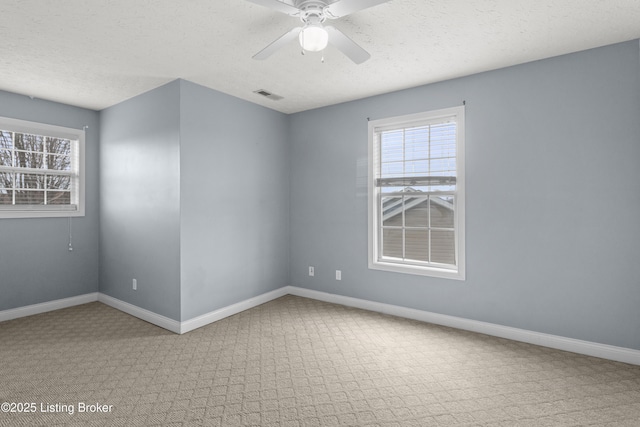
(312, 35)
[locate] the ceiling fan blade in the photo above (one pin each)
(346, 7)
(278, 5)
(347, 46)
(278, 43)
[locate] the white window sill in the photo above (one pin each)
(418, 270)
(16, 214)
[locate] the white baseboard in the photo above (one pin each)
(196, 322)
(205, 319)
(604, 351)
(30, 310)
(141, 313)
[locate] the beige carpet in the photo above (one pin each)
(297, 362)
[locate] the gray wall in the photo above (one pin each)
(234, 200)
(553, 197)
(194, 200)
(553, 201)
(35, 264)
(140, 200)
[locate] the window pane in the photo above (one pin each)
(28, 159)
(443, 145)
(417, 245)
(392, 243)
(29, 142)
(6, 140)
(442, 188)
(416, 167)
(58, 145)
(58, 182)
(28, 197)
(59, 157)
(416, 212)
(29, 180)
(6, 180)
(5, 157)
(442, 149)
(443, 247)
(391, 146)
(443, 167)
(391, 189)
(417, 152)
(58, 197)
(392, 211)
(60, 163)
(443, 133)
(417, 143)
(392, 170)
(6, 197)
(6, 185)
(442, 211)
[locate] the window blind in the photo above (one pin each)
(419, 156)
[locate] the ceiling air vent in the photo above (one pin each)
(267, 94)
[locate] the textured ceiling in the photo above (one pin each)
(95, 54)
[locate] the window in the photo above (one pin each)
(416, 194)
(41, 170)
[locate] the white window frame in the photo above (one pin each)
(376, 260)
(77, 138)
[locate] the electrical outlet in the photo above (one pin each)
(135, 285)
(312, 271)
(338, 275)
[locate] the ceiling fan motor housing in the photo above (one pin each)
(312, 12)
(313, 35)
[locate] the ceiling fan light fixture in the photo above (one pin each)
(313, 38)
